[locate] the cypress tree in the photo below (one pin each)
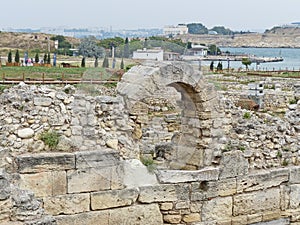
(37, 58)
(211, 67)
(45, 58)
(126, 48)
(96, 62)
(48, 58)
(17, 57)
(9, 57)
(83, 62)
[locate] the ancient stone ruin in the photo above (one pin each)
(166, 148)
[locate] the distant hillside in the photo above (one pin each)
(284, 31)
(274, 38)
(29, 41)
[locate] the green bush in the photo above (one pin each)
(50, 138)
(149, 163)
(293, 101)
(247, 115)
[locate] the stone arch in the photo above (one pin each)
(196, 142)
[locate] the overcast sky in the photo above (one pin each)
(131, 14)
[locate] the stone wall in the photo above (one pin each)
(234, 169)
(95, 187)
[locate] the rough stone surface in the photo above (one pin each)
(113, 199)
(268, 200)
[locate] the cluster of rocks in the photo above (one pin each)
(266, 139)
(82, 122)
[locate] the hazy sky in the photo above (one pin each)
(130, 14)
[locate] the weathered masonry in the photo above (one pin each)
(165, 112)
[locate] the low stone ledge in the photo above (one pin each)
(100, 158)
(164, 193)
(262, 181)
(45, 162)
(181, 176)
(138, 214)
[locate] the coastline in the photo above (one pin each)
(252, 40)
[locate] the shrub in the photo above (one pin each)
(247, 115)
(50, 138)
(149, 163)
(293, 101)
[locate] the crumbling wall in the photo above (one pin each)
(248, 172)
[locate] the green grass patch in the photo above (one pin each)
(50, 138)
(247, 115)
(149, 163)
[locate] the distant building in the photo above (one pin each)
(171, 56)
(175, 30)
(197, 50)
(149, 54)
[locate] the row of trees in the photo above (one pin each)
(199, 28)
(47, 58)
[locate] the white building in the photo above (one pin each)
(149, 54)
(197, 50)
(175, 30)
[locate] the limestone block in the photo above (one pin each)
(226, 187)
(180, 176)
(94, 218)
(254, 218)
(295, 175)
(163, 193)
(217, 209)
(112, 143)
(190, 218)
(25, 133)
(67, 204)
(295, 196)
(166, 206)
(285, 197)
(259, 201)
(206, 190)
(113, 199)
(182, 205)
(5, 189)
(101, 158)
(233, 164)
(137, 175)
(173, 219)
(196, 206)
(42, 101)
(45, 183)
(136, 215)
(271, 216)
(45, 162)
(240, 220)
(89, 179)
(262, 180)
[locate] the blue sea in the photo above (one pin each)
(291, 58)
